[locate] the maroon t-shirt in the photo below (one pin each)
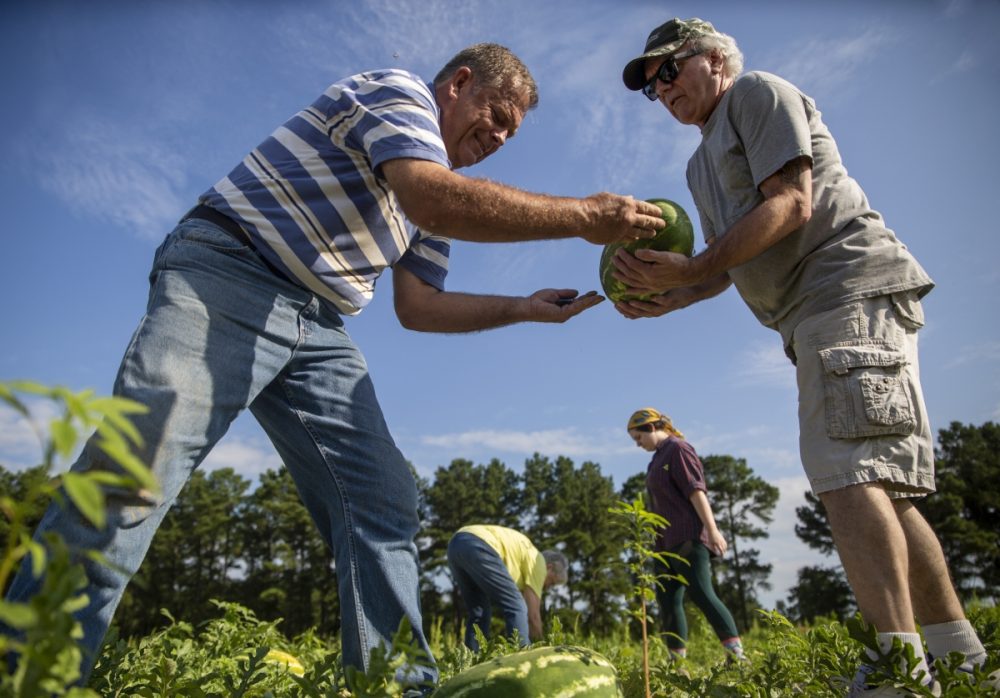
(671, 478)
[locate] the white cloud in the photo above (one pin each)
(565, 442)
(19, 445)
(824, 67)
(21, 440)
(247, 457)
(964, 62)
(100, 167)
(765, 364)
(622, 136)
(433, 27)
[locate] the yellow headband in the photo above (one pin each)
(649, 415)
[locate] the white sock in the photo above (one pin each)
(912, 639)
(955, 636)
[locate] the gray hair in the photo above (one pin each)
(560, 565)
(495, 66)
(726, 45)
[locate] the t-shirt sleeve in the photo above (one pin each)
(396, 117)
(773, 125)
(427, 259)
(686, 470)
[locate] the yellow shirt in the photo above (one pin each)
(522, 559)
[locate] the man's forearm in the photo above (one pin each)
(442, 202)
(484, 211)
(762, 227)
(464, 312)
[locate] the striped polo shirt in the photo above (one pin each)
(313, 197)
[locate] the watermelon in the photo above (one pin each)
(563, 671)
(676, 236)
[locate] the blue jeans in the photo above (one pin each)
(222, 333)
(483, 580)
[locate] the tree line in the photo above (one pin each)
(258, 547)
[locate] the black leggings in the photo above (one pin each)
(671, 598)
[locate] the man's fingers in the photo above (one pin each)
(626, 262)
(650, 222)
(641, 233)
(649, 209)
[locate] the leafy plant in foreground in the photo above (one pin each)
(39, 636)
(642, 527)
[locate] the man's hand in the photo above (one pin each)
(649, 271)
(616, 218)
(421, 307)
(559, 305)
(657, 305)
(674, 299)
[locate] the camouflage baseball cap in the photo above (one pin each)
(666, 38)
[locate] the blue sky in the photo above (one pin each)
(117, 115)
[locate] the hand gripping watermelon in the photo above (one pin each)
(542, 672)
(677, 236)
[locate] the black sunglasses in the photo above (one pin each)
(666, 73)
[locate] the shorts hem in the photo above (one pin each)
(895, 481)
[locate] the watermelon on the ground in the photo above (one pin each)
(676, 236)
(562, 671)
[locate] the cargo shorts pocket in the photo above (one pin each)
(867, 391)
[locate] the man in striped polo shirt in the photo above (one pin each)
(246, 304)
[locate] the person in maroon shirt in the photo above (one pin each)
(675, 481)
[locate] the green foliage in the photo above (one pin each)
(820, 591)
(386, 665)
(642, 527)
(963, 511)
(194, 554)
(231, 655)
(813, 527)
(268, 536)
(48, 658)
(785, 660)
(741, 502)
(571, 514)
(225, 656)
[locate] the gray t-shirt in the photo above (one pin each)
(843, 253)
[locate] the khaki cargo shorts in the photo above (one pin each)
(861, 411)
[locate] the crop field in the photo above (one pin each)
(229, 651)
(228, 656)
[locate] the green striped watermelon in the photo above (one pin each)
(563, 671)
(677, 236)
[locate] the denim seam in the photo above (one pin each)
(348, 523)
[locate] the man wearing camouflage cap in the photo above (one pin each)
(795, 234)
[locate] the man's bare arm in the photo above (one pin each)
(440, 201)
